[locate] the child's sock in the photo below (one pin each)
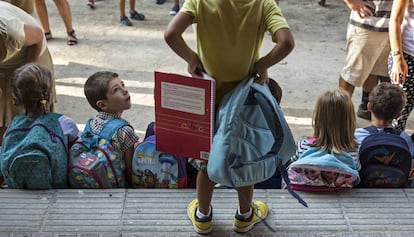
(246, 214)
(201, 215)
(364, 100)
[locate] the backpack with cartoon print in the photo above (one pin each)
(154, 169)
(94, 162)
(385, 159)
(317, 170)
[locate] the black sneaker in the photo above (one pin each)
(159, 1)
(363, 113)
(125, 21)
(175, 10)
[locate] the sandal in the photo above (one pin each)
(48, 35)
(136, 16)
(72, 40)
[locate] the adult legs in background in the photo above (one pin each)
(365, 63)
(64, 12)
(409, 91)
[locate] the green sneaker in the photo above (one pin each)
(242, 225)
(201, 225)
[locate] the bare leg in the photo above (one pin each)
(346, 87)
(370, 83)
(41, 12)
(245, 195)
(122, 7)
(205, 188)
(65, 13)
(132, 5)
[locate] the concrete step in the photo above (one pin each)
(162, 212)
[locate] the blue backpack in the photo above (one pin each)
(317, 170)
(34, 154)
(94, 162)
(385, 159)
(252, 138)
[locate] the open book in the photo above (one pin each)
(184, 114)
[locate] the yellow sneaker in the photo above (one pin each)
(201, 225)
(259, 213)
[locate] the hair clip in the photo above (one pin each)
(43, 102)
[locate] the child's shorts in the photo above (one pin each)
(367, 54)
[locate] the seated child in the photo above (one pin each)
(334, 123)
(107, 94)
(385, 103)
(32, 91)
(32, 88)
(328, 160)
(391, 165)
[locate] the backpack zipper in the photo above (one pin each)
(13, 156)
(52, 134)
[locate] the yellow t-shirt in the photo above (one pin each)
(230, 34)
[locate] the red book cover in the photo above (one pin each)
(184, 114)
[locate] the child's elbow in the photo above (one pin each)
(289, 42)
(285, 37)
(169, 35)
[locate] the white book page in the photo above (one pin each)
(183, 98)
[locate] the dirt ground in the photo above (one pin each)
(135, 52)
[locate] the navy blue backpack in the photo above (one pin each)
(385, 159)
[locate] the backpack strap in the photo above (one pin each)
(274, 120)
(107, 132)
(372, 130)
(111, 127)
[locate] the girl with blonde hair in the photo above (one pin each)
(334, 123)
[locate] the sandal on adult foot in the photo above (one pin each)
(48, 35)
(136, 16)
(72, 40)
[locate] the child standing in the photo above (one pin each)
(229, 37)
(386, 102)
(107, 94)
(133, 14)
(333, 124)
